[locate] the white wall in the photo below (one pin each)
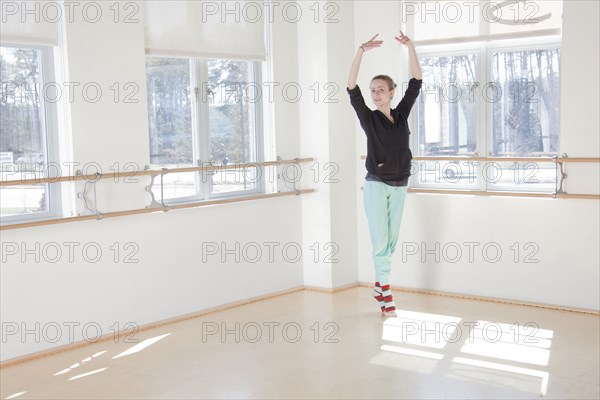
(177, 272)
(326, 133)
(111, 130)
(580, 97)
(342, 150)
(564, 233)
(170, 278)
(314, 139)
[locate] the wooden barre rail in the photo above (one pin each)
(507, 194)
(511, 159)
(118, 175)
(556, 160)
(152, 209)
(507, 159)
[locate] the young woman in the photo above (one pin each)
(388, 161)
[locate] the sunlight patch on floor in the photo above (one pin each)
(141, 346)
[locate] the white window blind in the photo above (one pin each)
(231, 30)
(30, 22)
(446, 22)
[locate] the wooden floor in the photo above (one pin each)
(316, 345)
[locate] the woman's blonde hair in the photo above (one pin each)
(386, 78)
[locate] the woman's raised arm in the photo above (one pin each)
(371, 44)
(415, 68)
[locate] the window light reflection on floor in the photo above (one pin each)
(526, 343)
(507, 368)
(73, 366)
(422, 329)
(14, 396)
(412, 352)
(141, 346)
(87, 374)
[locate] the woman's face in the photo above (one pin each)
(380, 92)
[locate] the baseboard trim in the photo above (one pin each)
(488, 299)
(331, 290)
(72, 346)
(180, 318)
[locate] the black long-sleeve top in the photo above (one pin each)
(388, 153)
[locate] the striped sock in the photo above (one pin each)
(389, 306)
(378, 296)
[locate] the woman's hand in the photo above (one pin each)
(371, 44)
(412, 54)
(403, 39)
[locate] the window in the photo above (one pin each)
(525, 122)
(494, 101)
(448, 121)
(201, 113)
(525, 116)
(447, 116)
(27, 133)
(491, 89)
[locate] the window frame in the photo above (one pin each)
(49, 128)
(200, 125)
(483, 51)
(476, 49)
(547, 43)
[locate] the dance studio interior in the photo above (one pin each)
(311, 199)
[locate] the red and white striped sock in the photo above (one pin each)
(389, 306)
(379, 296)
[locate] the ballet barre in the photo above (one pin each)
(92, 213)
(150, 210)
(148, 172)
(561, 159)
(560, 176)
(507, 194)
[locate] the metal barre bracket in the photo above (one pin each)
(87, 210)
(560, 169)
(153, 202)
(280, 176)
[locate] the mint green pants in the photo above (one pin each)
(383, 205)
